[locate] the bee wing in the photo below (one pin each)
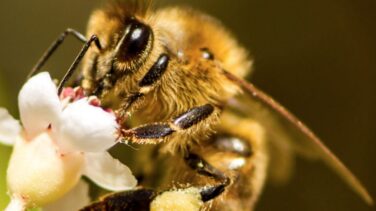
(286, 127)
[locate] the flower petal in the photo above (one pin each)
(38, 103)
(108, 172)
(9, 128)
(76, 199)
(86, 128)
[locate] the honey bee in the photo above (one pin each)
(175, 77)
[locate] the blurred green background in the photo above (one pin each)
(317, 57)
(4, 152)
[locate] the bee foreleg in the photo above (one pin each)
(47, 54)
(156, 71)
(155, 132)
(149, 80)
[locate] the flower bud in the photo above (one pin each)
(38, 173)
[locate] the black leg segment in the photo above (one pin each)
(210, 192)
(163, 129)
(131, 99)
(151, 131)
(156, 71)
(202, 167)
(149, 79)
(193, 116)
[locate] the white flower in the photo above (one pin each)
(9, 127)
(86, 128)
(58, 144)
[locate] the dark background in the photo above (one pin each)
(317, 57)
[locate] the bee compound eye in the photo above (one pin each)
(135, 40)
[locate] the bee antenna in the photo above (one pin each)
(77, 61)
(53, 47)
